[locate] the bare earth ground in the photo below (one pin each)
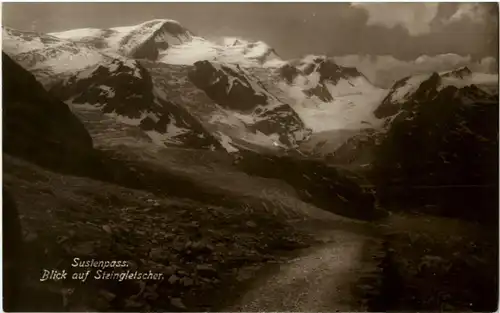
(322, 278)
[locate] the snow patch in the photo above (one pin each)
(230, 51)
(410, 85)
(352, 111)
(173, 130)
(226, 142)
(125, 119)
(260, 139)
(125, 39)
(156, 137)
(83, 106)
(110, 92)
(79, 34)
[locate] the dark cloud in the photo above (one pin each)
(293, 29)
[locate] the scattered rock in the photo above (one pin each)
(158, 254)
(206, 270)
(177, 302)
(131, 304)
(168, 270)
(84, 248)
(251, 224)
(186, 281)
(107, 229)
(173, 279)
(109, 296)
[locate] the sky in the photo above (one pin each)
(405, 31)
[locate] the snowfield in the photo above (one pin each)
(47, 56)
(233, 51)
(353, 111)
(125, 40)
(352, 106)
(176, 45)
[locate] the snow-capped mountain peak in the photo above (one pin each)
(144, 40)
(458, 73)
(411, 87)
(46, 56)
(167, 41)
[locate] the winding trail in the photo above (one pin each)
(321, 279)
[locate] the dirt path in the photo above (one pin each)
(321, 279)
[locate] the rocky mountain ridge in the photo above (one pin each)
(250, 95)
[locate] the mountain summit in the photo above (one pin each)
(143, 41)
(168, 41)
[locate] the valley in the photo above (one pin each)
(252, 183)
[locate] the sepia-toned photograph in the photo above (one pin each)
(250, 156)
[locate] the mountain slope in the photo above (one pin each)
(47, 57)
(260, 117)
(144, 40)
(235, 89)
(169, 42)
(125, 91)
(37, 126)
(328, 96)
(405, 88)
(439, 135)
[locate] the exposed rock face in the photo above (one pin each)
(235, 89)
(170, 32)
(462, 72)
(228, 86)
(125, 89)
(37, 126)
(403, 90)
(289, 72)
(120, 86)
(319, 91)
(332, 72)
(319, 76)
